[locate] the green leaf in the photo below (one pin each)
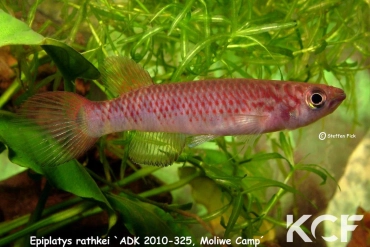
(281, 50)
(318, 170)
(70, 62)
(237, 207)
(266, 28)
(265, 156)
(144, 219)
(2, 147)
(70, 176)
(15, 32)
(257, 183)
(287, 148)
(18, 142)
(73, 177)
(181, 15)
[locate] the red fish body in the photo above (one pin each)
(166, 115)
(216, 107)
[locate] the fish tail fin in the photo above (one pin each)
(55, 127)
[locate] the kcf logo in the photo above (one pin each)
(295, 227)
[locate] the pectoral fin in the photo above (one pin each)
(193, 141)
(156, 148)
(249, 124)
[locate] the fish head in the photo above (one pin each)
(315, 102)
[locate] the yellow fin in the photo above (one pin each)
(156, 148)
(193, 141)
(121, 75)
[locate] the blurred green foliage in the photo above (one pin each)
(188, 40)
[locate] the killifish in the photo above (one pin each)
(166, 117)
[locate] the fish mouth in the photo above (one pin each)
(337, 97)
(340, 95)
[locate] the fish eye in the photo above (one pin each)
(316, 98)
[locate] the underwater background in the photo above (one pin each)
(225, 188)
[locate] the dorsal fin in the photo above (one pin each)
(121, 75)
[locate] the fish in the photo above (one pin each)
(164, 118)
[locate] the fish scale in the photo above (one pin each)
(167, 116)
(201, 107)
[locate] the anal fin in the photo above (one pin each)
(156, 148)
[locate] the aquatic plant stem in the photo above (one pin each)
(170, 187)
(12, 89)
(69, 213)
(275, 198)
